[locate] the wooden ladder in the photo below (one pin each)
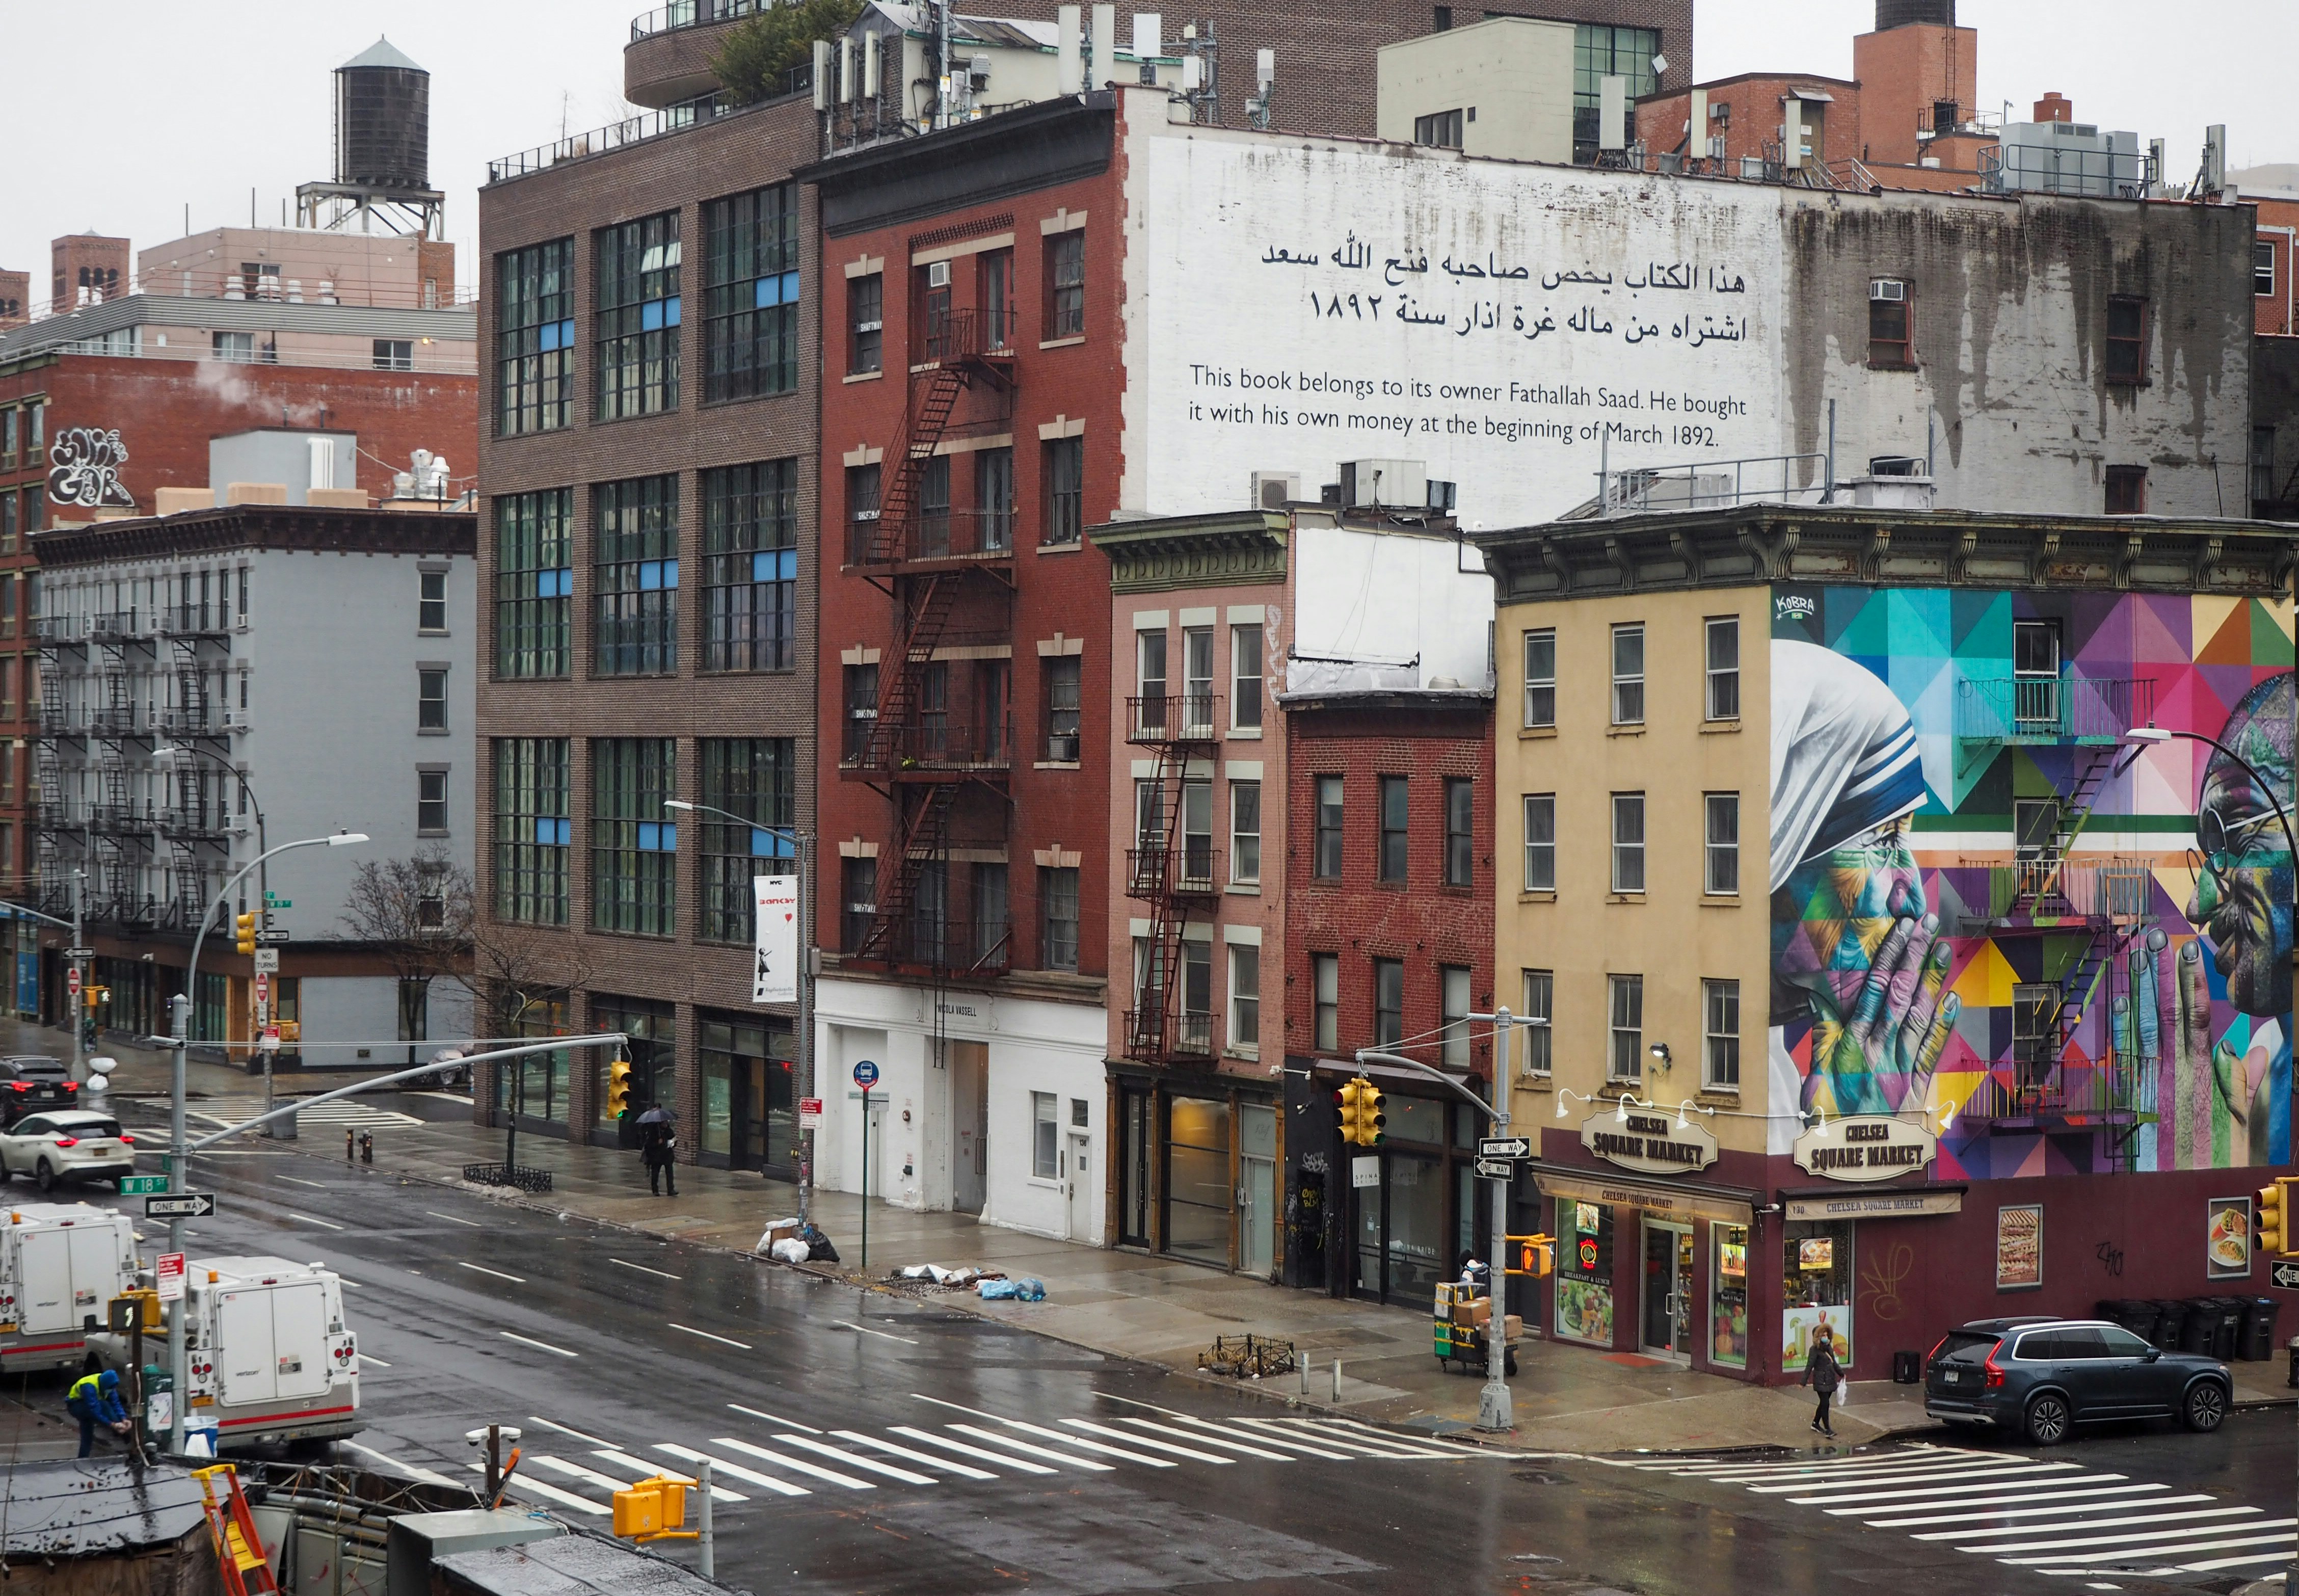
(239, 1549)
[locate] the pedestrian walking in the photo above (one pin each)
(95, 1399)
(1824, 1374)
(658, 1151)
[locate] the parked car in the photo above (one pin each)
(33, 1081)
(66, 1144)
(2040, 1377)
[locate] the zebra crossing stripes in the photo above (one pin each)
(2053, 1517)
(345, 1111)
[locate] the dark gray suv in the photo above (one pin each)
(2041, 1378)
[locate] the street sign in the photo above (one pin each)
(2286, 1275)
(266, 962)
(71, 982)
(79, 952)
(1496, 1168)
(168, 1277)
(1365, 1172)
(274, 900)
(269, 1041)
(809, 1113)
(142, 1185)
(1505, 1147)
(270, 938)
(866, 1075)
(263, 987)
(181, 1205)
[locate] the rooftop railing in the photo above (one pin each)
(693, 13)
(639, 130)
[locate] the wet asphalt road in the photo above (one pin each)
(612, 1351)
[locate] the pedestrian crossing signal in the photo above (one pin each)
(1534, 1255)
(2276, 1237)
(652, 1510)
(245, 940)
(618, 1096)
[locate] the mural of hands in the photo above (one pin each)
(1880, 1057)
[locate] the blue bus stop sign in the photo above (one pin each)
(866, 1075)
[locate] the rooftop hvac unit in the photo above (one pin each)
(1366, 483)
(1274, 490)
(1889, 290)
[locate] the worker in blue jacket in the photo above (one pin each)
(95, 1399)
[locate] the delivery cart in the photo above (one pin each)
(1461, 1322)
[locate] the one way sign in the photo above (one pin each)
(181, 1205)
(2286, 1276)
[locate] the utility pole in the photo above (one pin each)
(78, 1023)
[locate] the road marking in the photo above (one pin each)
(379, 1363)
(666, 1274)
(1350, 1448)
(648, 1471)
(576, 1471)
(707, 1335)
(1286, 1441)
(299, 1181)
(2268, 1556)
(2155, 1553)
(1737, 1472)
(884, 1335)
(451, 1219)
(1412, 1446)
(1981, 1488)
(1155, 1446)
(851, 1461)
(920, 1459)
(1235, 1446)
(720, 1465)
(996, 1439)
(357, 1285)
(1144, 1459)
(536, 1418)
(497, 1274)
(2285, 1525)
(772, 1419)
(1968, 1515)
(959, 1447)
(520, 1484)
(307, 1219)
(530, 1342)
(815, 1470)
(1949, 1476)
(406, 1468)
(2099, 1524)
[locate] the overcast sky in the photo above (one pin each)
(120, 122)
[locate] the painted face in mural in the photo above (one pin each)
(2243, 892)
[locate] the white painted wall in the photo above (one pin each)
(1511, 75)
(1398, 606)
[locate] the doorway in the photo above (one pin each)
(970, 1114)
(1077, 1173)
(1257, 1190)
(1667, 1304)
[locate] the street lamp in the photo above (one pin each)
(802, 841)
(179, 1042)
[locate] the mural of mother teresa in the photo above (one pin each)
(1853, 941)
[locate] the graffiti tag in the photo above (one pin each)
(85, 469)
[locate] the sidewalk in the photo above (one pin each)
(1127, 1304)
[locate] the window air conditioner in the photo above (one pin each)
(938, 274)
(1888, 289)
(1062, 749)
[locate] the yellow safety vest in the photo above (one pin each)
(87, 1389)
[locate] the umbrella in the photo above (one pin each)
(657, 1115)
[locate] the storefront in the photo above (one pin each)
(1658, 1267)
(749, 1110)
(1197, 1161)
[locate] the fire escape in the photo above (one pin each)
(938, 742)
(197, 820)
(1174, 868)
(63, 819)
(120, 829)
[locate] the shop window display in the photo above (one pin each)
(1584, 1271)
(1728, 1314)
(1816, 1289)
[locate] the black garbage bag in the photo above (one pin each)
(817, 1245)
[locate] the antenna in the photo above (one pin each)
(822, 74)
(1264, 89)
(1147, 46)
(1102, 56)
(1068, 43)
(1201, 73)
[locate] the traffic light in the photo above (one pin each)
(618, 1088)
(246, 933)
(2276, 1232)
(94, 995)
(1347, 1100)
(1533, 1255)
(652, 1510)
(1370, 1119)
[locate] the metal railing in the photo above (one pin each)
(1155, 1034)
(1173, 718)
(939, 534)
(693, 13)
(2102, 887)
(935, 740)
(1193, 870)
(2023, 1092)
(962, 335)
(959, 947)
(1716, 484)
(638, 129)
(2051, 708)
(436, 360)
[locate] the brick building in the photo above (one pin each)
(621, 461)
(2273, 488)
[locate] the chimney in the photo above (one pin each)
(2056, 107)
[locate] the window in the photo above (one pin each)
(1601, 51)
(1453, 997)
(750, 566)
(1245, 677)
(1540, 842)
(1066, 284)
(535, 582)
(636, 362)
(1057, 899)
(534, 337)
(634, 576)
(1541, 677)
(866, 323)
(1326, 985)
(1719, 1053)
(750, 294)
(1065, 490)
(1442, 130)
(754, 777)
(2127, 339)
(1149, 673)
(431, 803)
(931, 537)
(1244, 833)
(2034, 1034)
(992, 928)
(1626, 1059)
(993, 499)
(1534, 1035)
(633, 840)
(1326, 865)
(1387, 1001)
(430, 604)
(1891, 326)
(1061, 673)
(1394, 807)
(1628, 842)
(1198, 834)
(862, 710)
(1244, 997)
(862, 486)
(1460, 850)
(8, 435)
(1045, 1136)
(2263, 476)
(1720, 874)
(1198, 680)
(2127, 490)
(8, 520)
(2262, 267)
(393, 354)
(1724, 668)
(1195, 1034)
(1629, 676)
(532, 830)
(857, 901)
(993, 293)
(431, 700)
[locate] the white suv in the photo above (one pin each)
(66, 1144)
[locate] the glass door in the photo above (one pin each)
(1667, 1305)
(1257, 1218)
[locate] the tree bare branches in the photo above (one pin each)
(420, 914)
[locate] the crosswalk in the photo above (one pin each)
(345, 1112)
(2048, 1517)
(564, 1466)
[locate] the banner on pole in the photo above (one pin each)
(774, 978)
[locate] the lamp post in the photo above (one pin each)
(181, 1039)
(803, 846)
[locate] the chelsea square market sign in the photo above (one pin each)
(1649, 1144)
(1866, 1147)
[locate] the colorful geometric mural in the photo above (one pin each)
(2005, 900)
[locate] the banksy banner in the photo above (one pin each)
(774, 976)
(84, 470)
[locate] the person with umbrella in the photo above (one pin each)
(657, 1145)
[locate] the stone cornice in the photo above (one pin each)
(1212, 551)
(314, 527)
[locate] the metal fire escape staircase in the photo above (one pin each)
(1165, 872)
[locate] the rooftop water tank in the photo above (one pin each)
(383, 120)
(1899, 13)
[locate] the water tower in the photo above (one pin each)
(383, 150)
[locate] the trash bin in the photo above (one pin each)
(2259, 1329)
(2228, 1334)
(2295, 1363)
(1908, 1368)
(2172, 1318)
(2137, 1317)
(2197, 1325)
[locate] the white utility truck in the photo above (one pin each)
(60, 1264)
